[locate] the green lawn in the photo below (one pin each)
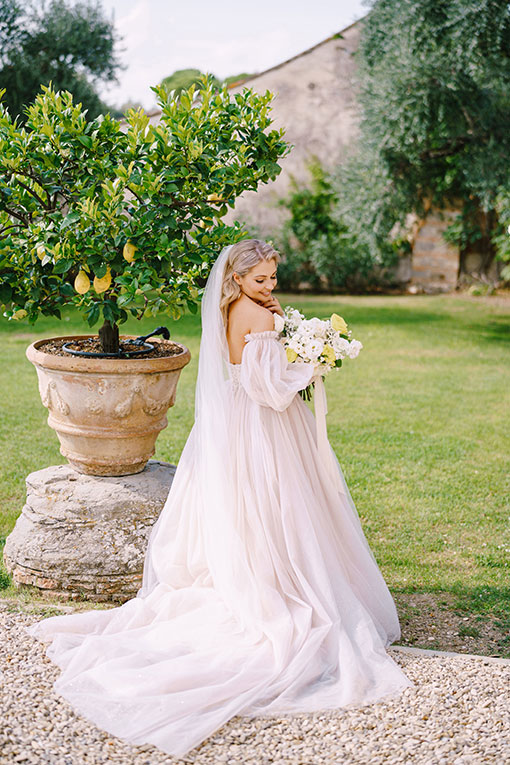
(420, 423)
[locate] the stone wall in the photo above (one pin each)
(314, 101)
(435, 263)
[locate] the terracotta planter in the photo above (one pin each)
(107, 412)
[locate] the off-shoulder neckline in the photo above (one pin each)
(250, 336)
(264, 333)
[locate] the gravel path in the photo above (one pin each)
(459, 713)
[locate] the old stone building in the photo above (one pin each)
(315, 102)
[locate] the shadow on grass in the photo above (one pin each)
(493, 331)
(484, 599)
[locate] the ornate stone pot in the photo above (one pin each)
(107, 412)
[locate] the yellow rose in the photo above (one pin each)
(291, 354)
(82, 283)
(338, 323)
(329, 354)
(101, 285)
(129, 252)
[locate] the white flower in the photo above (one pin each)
(354, 348)
(279, 322)
(295, 344)
(341, 346)
(314, 348)
(317, 326)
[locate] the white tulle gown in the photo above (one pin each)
(302, 622)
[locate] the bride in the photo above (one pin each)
(260, 594)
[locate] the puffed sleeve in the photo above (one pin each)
(266, 375)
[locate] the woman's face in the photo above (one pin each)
(260, 280)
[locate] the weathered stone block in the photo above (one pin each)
(84, 535)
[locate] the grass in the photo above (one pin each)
(420, 423)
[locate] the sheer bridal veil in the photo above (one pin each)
(206, 462)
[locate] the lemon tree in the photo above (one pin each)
(126, 218)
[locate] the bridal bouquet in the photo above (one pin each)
(324, 341)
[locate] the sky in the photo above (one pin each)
(222, 37)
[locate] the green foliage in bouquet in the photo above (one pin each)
(118, 219)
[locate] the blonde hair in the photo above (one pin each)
(243, 256)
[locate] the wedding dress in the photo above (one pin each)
(260, 593)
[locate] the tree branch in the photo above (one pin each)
(16, 215)
(46, 205)
(452, 146)
(34, 177)
(134, 194)
(6, 228)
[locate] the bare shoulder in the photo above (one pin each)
(246, 316)
(262, 320)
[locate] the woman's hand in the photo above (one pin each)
(273, 305)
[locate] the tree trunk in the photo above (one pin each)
(109, 336)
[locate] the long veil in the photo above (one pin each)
(212, 478)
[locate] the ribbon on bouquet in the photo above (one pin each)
(325, 450)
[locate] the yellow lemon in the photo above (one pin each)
(82, 283)
(41, 252)
(129, 252)
(338, 323)
(213, 198)
(101, 285)
(329, 354)
(291, 354)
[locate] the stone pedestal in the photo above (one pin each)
(84, 536)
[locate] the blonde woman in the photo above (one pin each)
(260, 594)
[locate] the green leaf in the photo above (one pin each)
(86, 140)
(62, 266)
(100, 271)
(108, 313)
(93, 314)
(5, 293)
(70, 219)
